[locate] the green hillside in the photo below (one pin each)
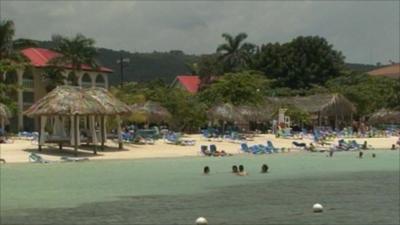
(158, 65)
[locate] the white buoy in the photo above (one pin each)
(317, 208)
(201, 221)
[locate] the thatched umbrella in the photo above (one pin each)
(259, 113)
(112, 105)
(65, 101)
(152, 111)
(385, 116)
(225, 112)
(5, 114)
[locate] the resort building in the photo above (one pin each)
(189, 83)
(391, 71)
(34, 84)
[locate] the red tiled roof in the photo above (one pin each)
(39, 57)
(190, 82)
(392, 71)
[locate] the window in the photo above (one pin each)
(86, 80)
(100, 82)
(72, 79)
(28, 97)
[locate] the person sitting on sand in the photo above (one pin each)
(364, 146)
(311, 148)
(241, 171)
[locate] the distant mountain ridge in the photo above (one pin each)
(159, 65)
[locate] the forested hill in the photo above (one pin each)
(142, 66)
(158, 65)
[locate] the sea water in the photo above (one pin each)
(174, 191)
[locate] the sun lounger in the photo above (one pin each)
(37, 158)
(271, 147)
(299, 145)
(73, 159)
(204, 150)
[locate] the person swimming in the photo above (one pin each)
(373, 155)
(235, 169)
(264, 168)
(360, 154)
(393, 147)
(206, 170)
(241, 171)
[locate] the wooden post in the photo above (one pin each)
(40, 134)
(102, 132)
(119, 131)
(76, 134)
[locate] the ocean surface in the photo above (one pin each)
(174, 191)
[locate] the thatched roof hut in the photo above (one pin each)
(260, 113)
(385, 116)
(335, 106)
(66, 101)
(5, 114)
(225, 112)
(151, 112)
(112, 105)
(72, 102)
(326, 104)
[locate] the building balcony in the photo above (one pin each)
(28, 83)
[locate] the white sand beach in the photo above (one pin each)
(18, 151)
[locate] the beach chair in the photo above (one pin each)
(73, 159)
(36, 158)
(299, 145)
(204, 150)
(255, 149)
(271, 147)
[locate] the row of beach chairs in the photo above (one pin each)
(269, 148)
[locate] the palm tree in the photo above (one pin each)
(10, 48)
(75, 52)
(234, 53)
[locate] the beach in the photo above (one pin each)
(19, 150)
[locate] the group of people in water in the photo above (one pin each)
(238, 170)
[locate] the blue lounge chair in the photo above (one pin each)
(37, 158)
(271, 147)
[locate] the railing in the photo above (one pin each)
(28, 83)
(86, 84)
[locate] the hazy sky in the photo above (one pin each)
(366, 32)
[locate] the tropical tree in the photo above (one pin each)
(368, 93)
(243, 88)
(10, 48)
(235, 53)
(10, 60)
(75, 52)
(301, 63)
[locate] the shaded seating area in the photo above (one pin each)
(325, 109)
(66, 106)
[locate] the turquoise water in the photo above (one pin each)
(174, 191)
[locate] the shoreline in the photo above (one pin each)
(19, 150)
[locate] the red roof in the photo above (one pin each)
(392, 71)
(39, 57)
(190, 82)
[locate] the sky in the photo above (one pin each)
(365, 31)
